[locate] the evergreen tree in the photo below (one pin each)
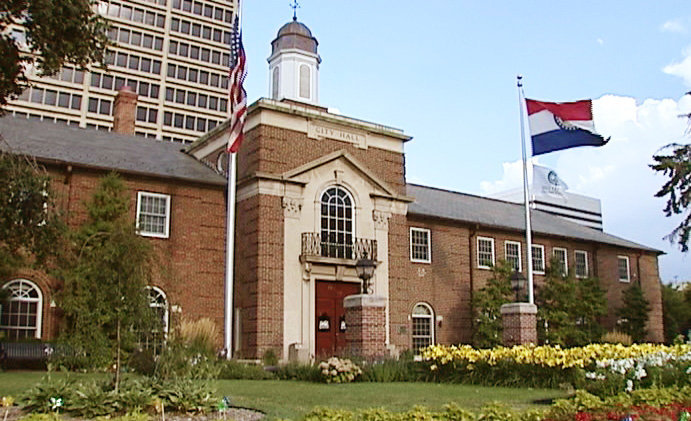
(569, 309)
(676, 310)
(104, 297)
(486, 303)
(633, 315)
(30, 226)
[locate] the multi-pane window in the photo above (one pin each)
(420, 245)
(184, 49)
(560, 259)
(204, 9)
(337, 223)
(21, 315)
(147, 114)
(105, 81)
(201, 31)
(485, 252)
(538, 258)
(133, 62)
(136, 38)
(623, 265)
(581, 263)
(182, 96)
(154, 339)
(153, 214)
(423, 327)
(135, 14)
(52, 97)
(191, 122)
(512, 252)
(100, 105)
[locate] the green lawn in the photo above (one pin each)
(291, 399)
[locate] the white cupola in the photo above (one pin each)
(294, 64)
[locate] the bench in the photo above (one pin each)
(25, 354)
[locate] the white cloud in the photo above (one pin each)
(681, 69)
(675, 26)
(600, 41)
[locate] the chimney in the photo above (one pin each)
(124, 111)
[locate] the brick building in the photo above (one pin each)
(316, 192)
(178, 203)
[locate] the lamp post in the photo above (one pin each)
(518, 282)
(365, 270)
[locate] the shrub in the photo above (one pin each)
(338, 370)
(299, 371)
(198, 335)
(391, 370)
(633, 314)
(229, 369)
(616, 337)
(48, 396)
(186, 395)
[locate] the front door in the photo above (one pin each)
(330, 316)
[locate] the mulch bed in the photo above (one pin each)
(233, 414)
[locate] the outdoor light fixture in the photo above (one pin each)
(365, 270)
(518, 282)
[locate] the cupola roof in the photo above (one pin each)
(294, 35)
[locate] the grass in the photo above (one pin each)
(292, 399)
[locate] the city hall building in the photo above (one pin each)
(316, 192)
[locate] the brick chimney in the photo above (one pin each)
(124, 111)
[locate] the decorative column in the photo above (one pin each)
(366, 320)
(519, 321)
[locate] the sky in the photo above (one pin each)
(444, 71)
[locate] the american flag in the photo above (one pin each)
(238, 96)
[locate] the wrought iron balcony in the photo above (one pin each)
(348, 247)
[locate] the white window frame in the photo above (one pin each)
(506, 254)
(143, 233)
(628, 269)
(575, 268)
(38, 301)
(542, 258)
(431, 318)
(477, 251)
(566, 258)
(429, 245)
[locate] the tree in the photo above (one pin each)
(54, 33)
(30, 225)
(569, 309)
(676, 165)
(676, 310)
(633, 315)
(104, 297)
(487, 302)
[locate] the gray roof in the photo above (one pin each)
(57, 142)
(496, 213)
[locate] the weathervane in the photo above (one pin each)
(295, 6)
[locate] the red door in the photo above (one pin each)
(330, 316)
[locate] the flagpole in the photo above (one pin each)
(526, 194)
(230, 240)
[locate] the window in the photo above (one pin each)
(336, 223)
(538, 259)
(485, 252)
(623, 264)
(420, 245)
(581, 264)
(22, 317)
(304, 81)
(274, 84)
(153, 212)
(158, 303)
(423, 327)
(560, 259)
(512, 253)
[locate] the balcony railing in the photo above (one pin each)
(358, 248)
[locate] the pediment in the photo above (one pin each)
(302, 174)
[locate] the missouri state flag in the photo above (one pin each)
(561, 125)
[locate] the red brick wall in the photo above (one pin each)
(191, 261)
(259, 274)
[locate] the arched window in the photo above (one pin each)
(274, 84)
(304, 81)
(22, 317)
(337, 223)
(158, 303)
(423, 326)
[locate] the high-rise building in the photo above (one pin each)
(173, 53)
